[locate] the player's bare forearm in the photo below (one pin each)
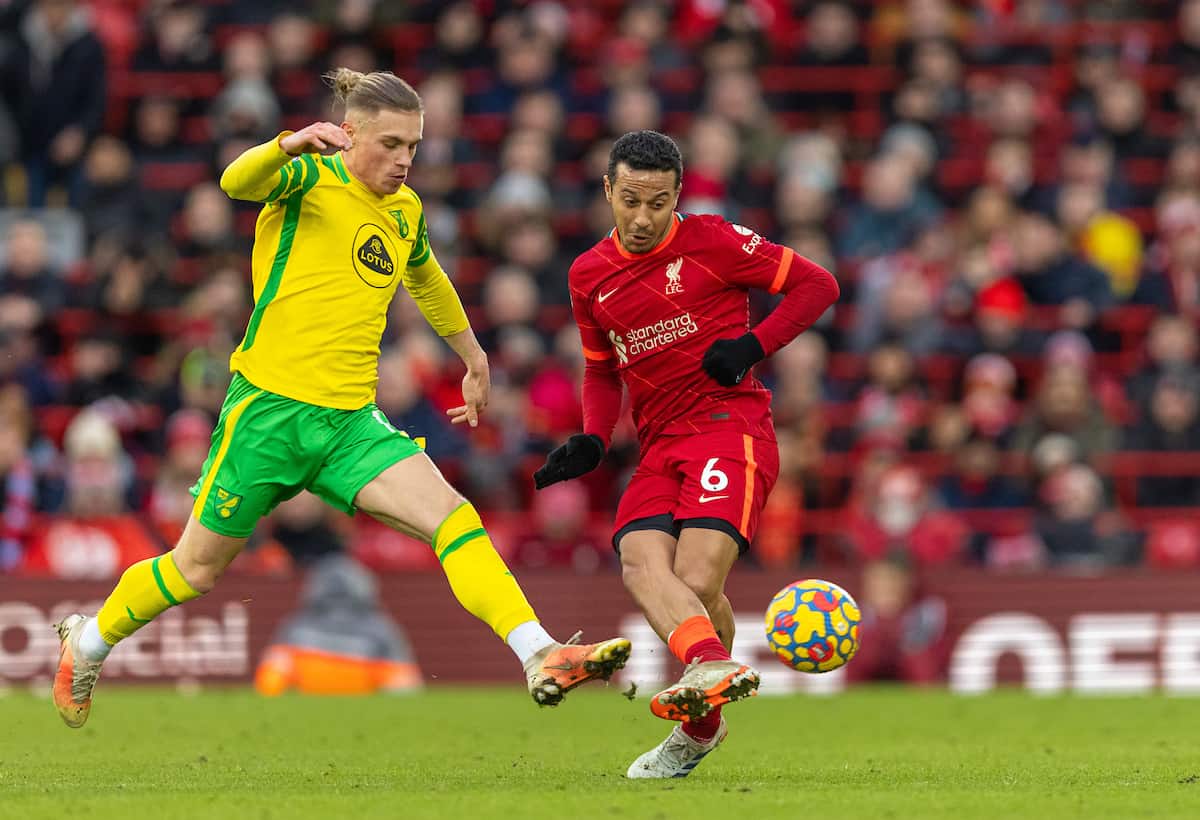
(476, 384)
(467, 347)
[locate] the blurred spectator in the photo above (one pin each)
(1185, 52)
(1096, 64)
(1000, 326)
(246, 108)
(27, 280)
(341, 641)
(1053, 275)
(526, 62)
(1076, 531)
(54, 81)
(938, 62)
(891, 212)
(1183, 163)
(901, 518)
(737, 96)
(1171, 345)
(1171, 282)
(176, 40)
(301, 525)
(188, 436)
(1064, 405)
(633, 108)
(1106, 239)
(903, 634)
(649, 21)
(112, 202)
(974, 483)
(898, 297)
(459, 42)
(99, 370)
(560, 539)
(1171, 425)
(698, 20)
(1121, 116)
(1089, 159)
(155, 134)
(246, 57)
(1011, 110)
(95, 537)
(1008, 165)
(891, 401)
(832, 39)
(989, 396)
(18, 479)
(401, 400)
(710, 160)
(291, 39)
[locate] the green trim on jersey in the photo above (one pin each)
(421, 250)
(333, 165)
(287, 235)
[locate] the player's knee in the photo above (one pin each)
(709, 586)
(200, 576)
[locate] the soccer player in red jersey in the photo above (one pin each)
(662, 308)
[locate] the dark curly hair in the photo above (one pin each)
(645, 151)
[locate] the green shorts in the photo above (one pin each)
(267, 448)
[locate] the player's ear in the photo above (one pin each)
(607, 188)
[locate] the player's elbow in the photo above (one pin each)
(833, 291)
(228, 182)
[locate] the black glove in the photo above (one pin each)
(580, 454)
(729, 360)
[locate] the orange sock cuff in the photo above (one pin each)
(689, 633)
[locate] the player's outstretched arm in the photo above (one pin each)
(258, 175)
(477, 384)
(581, 454)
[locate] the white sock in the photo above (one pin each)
(91, 644)
(528, 639)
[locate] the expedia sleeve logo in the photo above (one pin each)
(374, 256)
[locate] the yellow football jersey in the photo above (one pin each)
(328, 255)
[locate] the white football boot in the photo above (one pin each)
(676, 756)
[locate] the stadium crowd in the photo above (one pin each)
(1007, 190)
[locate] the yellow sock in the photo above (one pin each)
(146, 590)
(478, 576)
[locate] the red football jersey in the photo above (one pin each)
(652, 316)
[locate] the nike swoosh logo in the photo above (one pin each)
(704, 499)
(604, 296)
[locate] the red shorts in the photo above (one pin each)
(718, 480)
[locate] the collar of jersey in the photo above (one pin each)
(666, 240)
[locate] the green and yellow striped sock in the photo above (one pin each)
(478, 575)
(146, 590)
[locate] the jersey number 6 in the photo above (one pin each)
(712, 479)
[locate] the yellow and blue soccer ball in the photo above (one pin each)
(812, 626)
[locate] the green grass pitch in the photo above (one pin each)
(478, 754)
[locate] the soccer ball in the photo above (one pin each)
(812, 626)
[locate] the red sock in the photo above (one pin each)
(704, 729)
(696, 639)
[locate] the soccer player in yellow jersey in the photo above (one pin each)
(338, 232)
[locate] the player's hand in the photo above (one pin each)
(729, 360)
(477, 384)
(580, 454)
(323, 138)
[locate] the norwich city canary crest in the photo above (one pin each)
(401, 223)
(227, 503)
